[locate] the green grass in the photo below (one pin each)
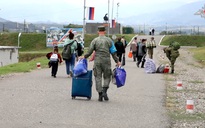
(28, 56)
(181, 115)
(199, 54)
(24, 66)
(185, 40)
(196, 82)
(28, 41)
(34, 41)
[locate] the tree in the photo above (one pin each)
(128, 30)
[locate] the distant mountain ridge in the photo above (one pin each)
(3, 20)
(183, 15)
(6, 25)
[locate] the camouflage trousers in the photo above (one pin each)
(150, 52)
(102, 72)
(172, 56)
(172, 60)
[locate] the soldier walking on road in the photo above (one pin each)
(102, 63)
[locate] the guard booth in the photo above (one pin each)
(9, 55)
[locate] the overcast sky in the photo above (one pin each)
(71, 11)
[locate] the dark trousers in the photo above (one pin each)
(54, 69)
(119, 56)
(134, 55)
(140, 59)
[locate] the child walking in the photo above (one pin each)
(55, 58)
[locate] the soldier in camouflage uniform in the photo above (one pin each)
(102, 62)
(172, 53)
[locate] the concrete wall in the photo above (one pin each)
(92, 28)
(8, 55)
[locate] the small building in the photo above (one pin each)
(8, 55)
(92, 28)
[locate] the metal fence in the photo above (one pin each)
(139, 28)
(170, 29)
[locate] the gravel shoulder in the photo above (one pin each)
(192, 75)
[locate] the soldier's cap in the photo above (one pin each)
(101, 28)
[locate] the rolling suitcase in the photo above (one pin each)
(82, 85)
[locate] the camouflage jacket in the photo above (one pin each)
(101, 45)
(171, 52)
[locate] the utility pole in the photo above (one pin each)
(180, 30)
(108, 30)
(24, 28)
(112, 8)
(112, 16)
(118, 4)
(83, 36)
(144, 28)
(3, 27)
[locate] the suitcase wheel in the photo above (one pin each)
(89, 98)
(73, 97)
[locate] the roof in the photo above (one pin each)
(8, 47)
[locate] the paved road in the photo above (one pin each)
(36, 100)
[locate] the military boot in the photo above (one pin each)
(100, 97)
(104, 94)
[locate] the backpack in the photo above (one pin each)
(54, 57)
(175, 45)
(160, 69)
(79, 49)
(48, 55)
(66, 53)
(151, 44)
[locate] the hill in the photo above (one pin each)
(183, 15)
(10, 26)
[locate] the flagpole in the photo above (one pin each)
(112, 8)
(118, 4)
(112, 25)
(84, 19)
